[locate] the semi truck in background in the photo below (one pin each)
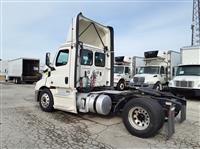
(80, 80)
(158, 70)
(23, 70)
(187, 79)
(125, 68)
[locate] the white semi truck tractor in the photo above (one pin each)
(125, 68)
(158, 70)
(187, 79)
(80, 80)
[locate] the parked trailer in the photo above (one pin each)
(124, 69)
(3, 70)
(80, 80)
(187, 79)
(158, 70)
(24, 70)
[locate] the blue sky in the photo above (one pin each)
(32, 29)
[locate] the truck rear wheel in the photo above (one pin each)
(143, 117)
(46, 100)
(120, 85)
(17, 80)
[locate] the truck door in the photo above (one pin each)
(64, 97)
(163, 76)
(127, 74)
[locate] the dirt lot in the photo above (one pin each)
(24, 125)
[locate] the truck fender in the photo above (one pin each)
(121, 103)
(121, 80)
(39, 91)
(156, 84)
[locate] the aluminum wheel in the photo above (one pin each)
(139, 118)
(45, 100)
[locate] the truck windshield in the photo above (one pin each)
(119, 69)
(188, 70)
(149, 70)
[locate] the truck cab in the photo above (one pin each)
(123, 71)
(187, 79)
(151, 76)
(158, 70)
(82, 64)
(154, 73)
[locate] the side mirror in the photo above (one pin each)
(47, 60)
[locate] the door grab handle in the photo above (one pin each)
(66, 80)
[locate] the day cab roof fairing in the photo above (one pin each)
(188, 65)
(92, 33)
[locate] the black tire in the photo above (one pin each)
(45, 95)
(18, 81)
(121, 85)
(157, 86)
(153, 123)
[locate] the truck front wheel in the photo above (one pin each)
(46, 100)
(121, 85)
(158, 86)
(143, 117)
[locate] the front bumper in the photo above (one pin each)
(135, 85)
(185, 91)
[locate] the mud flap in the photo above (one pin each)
(170, 125)
(183, 113)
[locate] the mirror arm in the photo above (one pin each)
(51, 67)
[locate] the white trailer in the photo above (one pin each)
(3, 69)
(124, 69)
(80, 80)
(158, 70)
(187, 79)
(23, 70)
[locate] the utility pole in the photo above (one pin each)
(196, 23)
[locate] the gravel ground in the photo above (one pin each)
(24, 125)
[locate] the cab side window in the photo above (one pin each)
(86, 57)
(62, 57)
(99, 59)
(162, 70)
(127, 70)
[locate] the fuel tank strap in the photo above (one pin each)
(95, 100)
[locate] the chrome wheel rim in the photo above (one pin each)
(139, 118)
(45, 100)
